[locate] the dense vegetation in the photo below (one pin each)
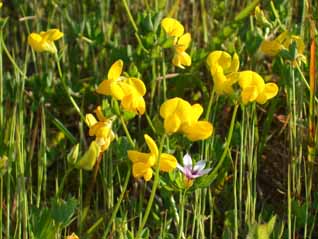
(158, 119)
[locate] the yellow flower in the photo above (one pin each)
(73, 236)
(223, 69)
(254, 88)
(128, 90)
(174, 28)
(44, 41)
(260, 17)
(181, 58)
(101, 129)
(180, 116)
(283, 41)
(143, 162)
(104, 135)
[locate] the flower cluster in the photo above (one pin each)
(128, 90)
(282, 42)
(180, 116)
(101, 129)
(224, 70)
(143, 162)
(222, 67)
(181, 42)
(44, 41)
(104, 135)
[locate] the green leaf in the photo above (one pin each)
(62, 211)
(246, 11)
(61, 127)
(42, 226)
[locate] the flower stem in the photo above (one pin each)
(182, 203)
(116, 208)
(122, 121)
(209, 105)
(67, 89)
(134, 25)
(153, 191)
(228, 140)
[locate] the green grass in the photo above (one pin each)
(263, 157)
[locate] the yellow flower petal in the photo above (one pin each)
(172, 27)
(219, 58)
(138, 85)
(104, 87)
(168, 107)
(167, 162)
(199, 130)
(235, 63)
(151, 145)
(99, 114)
(183, 42)
(117, 90)
(249, 94)
(73, 236)
(88, 160)
(250, 78)
(142, 170)
(115, 70)
(90, 120)
(53, 34)
(300, 44)
(172, 124)
(134, 103)
(271, 48)
(34, 40)
(270, 91)
(197, 111)
(181, 59)
(136, 156)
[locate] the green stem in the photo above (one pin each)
(153, 191)
(67, 89)
(183, 199)
(150, 123)
(134, 25)
(277, 16)
(11, 58)
(127, 131)
(228, 141)
(120, 199)
(69, 170)
(210, 105)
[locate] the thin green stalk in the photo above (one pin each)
(134, 25)
(62, 184)
(121, 196)
(153, 191)
(153, 84)
(1, 90)
(289, 201)
(150, 123)
(119, 200)
(69, 96)
(228, 140)
(17, 68)
(207, 115)
(182, 203)
(126, 131)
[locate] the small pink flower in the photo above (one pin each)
(193, 172)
